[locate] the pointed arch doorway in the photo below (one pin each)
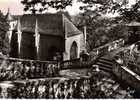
(74, 51)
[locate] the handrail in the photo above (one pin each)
(108, 44)
(26, 60)
(125, 74)
(131, 72)
(124, 71)
(71, 60)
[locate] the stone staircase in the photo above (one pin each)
(105, 63)
(113, 89)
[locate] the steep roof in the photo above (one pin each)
(8, 16)
(49, 24)
(70, 28)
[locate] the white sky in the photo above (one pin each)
(17, 8)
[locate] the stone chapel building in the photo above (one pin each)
(42, 36)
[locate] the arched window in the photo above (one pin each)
(74, 51)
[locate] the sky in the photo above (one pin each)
(16, 8)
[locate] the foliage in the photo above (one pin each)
(43, 5)
(4, 42)
(130, 13)
(98, 7)
(127, 12)
(100, 30)
(118, 31)
(103, 6)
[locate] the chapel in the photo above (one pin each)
(44, 36)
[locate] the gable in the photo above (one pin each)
(70, 28)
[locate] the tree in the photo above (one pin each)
(131, 13)
(127, 12)
(4, 42)
(96, 6)
(96, 28)
(41, 5)
(102, 6)
(100, 30)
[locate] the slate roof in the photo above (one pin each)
(49, 24)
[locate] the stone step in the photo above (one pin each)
(104, 65)
(105, 69)
(105, 61)
(105, 58)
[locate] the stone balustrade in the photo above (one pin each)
(108, 47)
(57, 87)
(16, 69)
(75, 63)
(129, 59)
(129, 76)
(63, 88)
(128, 70)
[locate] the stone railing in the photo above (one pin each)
(16, 69)
(127, 75)
(127, 68)
(108, 47)
(78, 87)
(63, 88)
(129, 59)
(75, 63)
